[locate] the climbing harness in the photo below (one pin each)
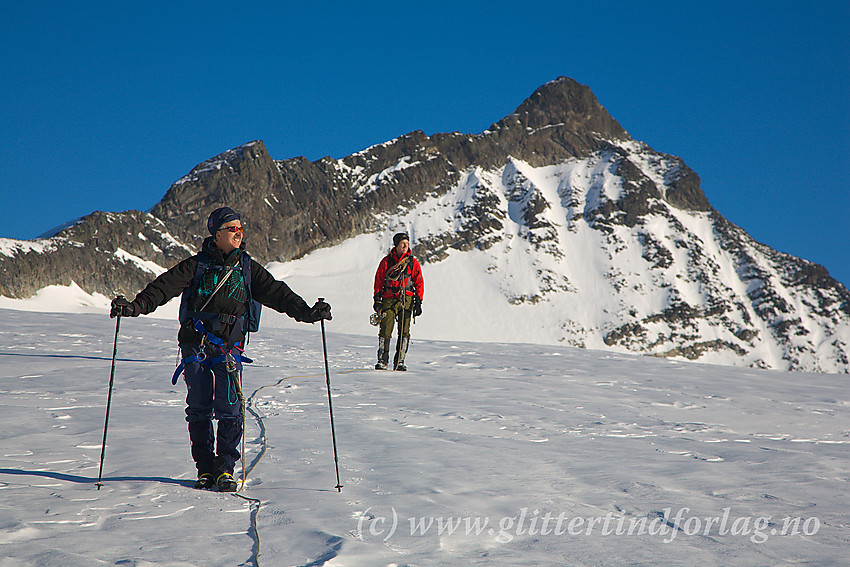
(226, 356)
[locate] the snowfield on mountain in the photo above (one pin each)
(483, 453)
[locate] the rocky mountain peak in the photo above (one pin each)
(566, 102)
(562, 119)
(226, 179)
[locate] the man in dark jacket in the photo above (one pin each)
(217, 299)
(399, 290)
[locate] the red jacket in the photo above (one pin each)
(410, 277)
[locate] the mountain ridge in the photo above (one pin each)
(558, 178)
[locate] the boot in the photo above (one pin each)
(383, 353)
(205, 481)
(400, 353)
(226, 483)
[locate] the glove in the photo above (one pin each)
(417, 307)
(123, 308)
(321, 310)
(376, 305)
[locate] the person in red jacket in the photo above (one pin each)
(399, 290)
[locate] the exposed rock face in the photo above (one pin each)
(107, 253)
(559, 178)
(302, 205)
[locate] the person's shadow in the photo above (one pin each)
(92, 480)
(80, 356)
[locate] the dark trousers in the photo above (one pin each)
(212, 393)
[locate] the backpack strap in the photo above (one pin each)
(252, 316)
(190, 292)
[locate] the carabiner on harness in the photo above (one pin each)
(227, 357)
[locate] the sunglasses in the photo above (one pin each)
(233, 229)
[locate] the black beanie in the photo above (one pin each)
(399, 237)
(220, 216)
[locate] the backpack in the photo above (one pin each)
(251, 319)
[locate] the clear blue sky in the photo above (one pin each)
(104, 105)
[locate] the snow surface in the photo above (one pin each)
(61, 299)
(548, 454)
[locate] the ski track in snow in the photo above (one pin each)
(474, 430)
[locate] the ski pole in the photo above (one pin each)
(330, 402)
(108, 401)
